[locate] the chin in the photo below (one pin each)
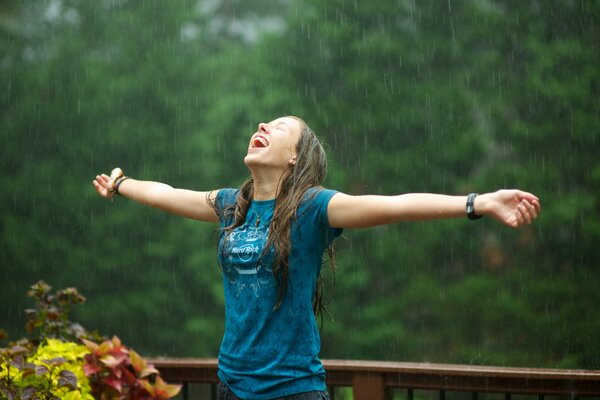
(252, 161)
(249, 159)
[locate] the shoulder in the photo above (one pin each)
(226, 198)
(319, 195)
(316, 201)
(315, 209)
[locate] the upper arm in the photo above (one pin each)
(346, 211)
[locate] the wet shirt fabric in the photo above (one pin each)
(266, 352)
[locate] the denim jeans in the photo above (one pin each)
(226, 394)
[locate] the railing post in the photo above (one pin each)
(369, 386)
(185, 391)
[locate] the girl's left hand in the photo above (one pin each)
(513, 208)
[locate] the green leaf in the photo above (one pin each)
(165, 391)
(136, 360)
(92, 347)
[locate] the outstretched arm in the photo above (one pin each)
(513, 208)
(182, 202)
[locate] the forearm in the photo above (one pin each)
(145, 192)
(512, 207)
(182, 202)
(414, 207)
(371, 210)
(424, 206)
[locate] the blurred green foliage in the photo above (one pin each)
(408, 96)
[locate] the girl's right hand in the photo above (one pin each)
(104, 184)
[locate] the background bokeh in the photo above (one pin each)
(408, 96)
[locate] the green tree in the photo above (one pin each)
(409, 96)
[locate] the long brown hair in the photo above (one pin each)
(308, 172)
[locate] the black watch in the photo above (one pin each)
(471, 207)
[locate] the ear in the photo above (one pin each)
(293, 161)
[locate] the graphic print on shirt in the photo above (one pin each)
(246, 269)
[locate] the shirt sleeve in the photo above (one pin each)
(321, 201)
(226, 199)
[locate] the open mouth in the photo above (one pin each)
(259, 142)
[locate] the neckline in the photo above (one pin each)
(262, 203)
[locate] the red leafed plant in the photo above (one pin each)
(116, 372)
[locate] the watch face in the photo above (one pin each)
(471, 207)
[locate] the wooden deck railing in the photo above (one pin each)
(375, 380)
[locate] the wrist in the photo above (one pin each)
(481, 204)
(474, 206)
(118, 183)
(116, 176)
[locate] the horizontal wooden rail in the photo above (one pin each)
(373, 380)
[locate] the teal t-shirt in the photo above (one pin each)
(266, 352)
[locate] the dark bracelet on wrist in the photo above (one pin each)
(118, 183)
(471, 207)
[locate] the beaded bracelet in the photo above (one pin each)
(112, 189)
(118, 183)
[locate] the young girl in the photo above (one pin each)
(274, 232)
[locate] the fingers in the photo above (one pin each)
(99, 188)
(537, 207)
(523, 216)
(101, 184)
(104, 183)
(102, 180)
(527, 211)
(530, 197)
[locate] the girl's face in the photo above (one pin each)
(274, 144)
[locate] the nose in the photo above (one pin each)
(264, 128)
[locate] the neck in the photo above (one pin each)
(265, 190)
(266, 185)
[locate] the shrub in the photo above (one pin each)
(54, 371)
(65, 361)
(50, 317)
(118, 372)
